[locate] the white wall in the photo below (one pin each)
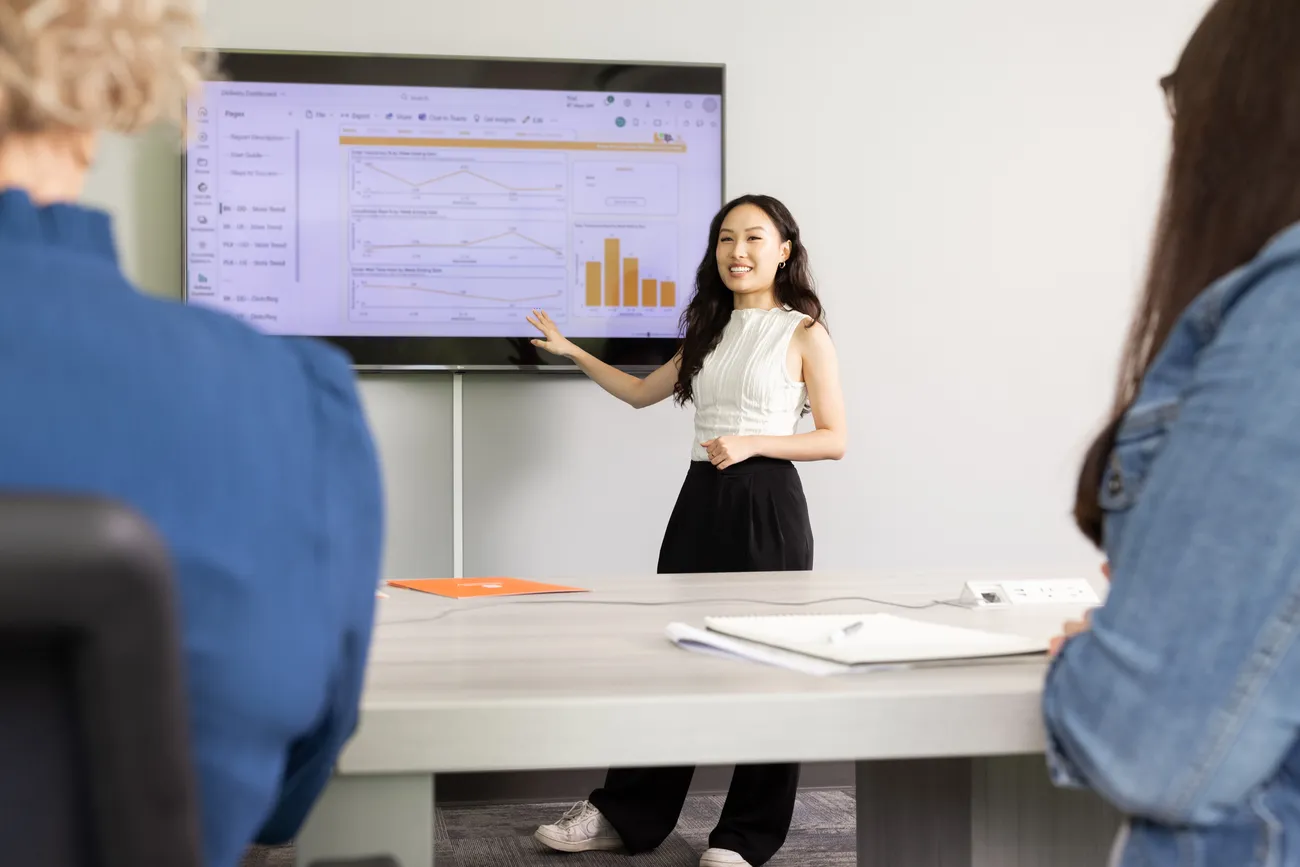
(976, 183)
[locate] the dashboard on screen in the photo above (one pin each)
(414, 210)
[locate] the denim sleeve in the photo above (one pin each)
(1182, 699)
(353, 514)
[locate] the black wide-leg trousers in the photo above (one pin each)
(750, 517)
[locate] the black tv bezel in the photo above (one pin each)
(507, 354)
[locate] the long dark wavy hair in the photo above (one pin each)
(710, 308)
(1233, 183)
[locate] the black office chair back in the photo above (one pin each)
(94, 755)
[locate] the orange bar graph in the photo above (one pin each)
(612, 263)
(593, 284)
(631, 281)
(618, 281)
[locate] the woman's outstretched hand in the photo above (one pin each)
(552, 340)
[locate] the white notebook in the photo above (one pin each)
(881, 639)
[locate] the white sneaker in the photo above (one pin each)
(582, 829)
(722, 858)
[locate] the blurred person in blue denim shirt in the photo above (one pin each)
(250, 454)
(1178, 700)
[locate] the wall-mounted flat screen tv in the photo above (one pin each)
(414, 210)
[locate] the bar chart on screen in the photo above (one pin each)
(626, 268)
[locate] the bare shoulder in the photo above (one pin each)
(812, 337)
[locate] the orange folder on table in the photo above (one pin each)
(468, 588)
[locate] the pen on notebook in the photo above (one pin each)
(841, 634)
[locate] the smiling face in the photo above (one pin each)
(749, 251)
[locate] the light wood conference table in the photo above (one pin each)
(949, 765)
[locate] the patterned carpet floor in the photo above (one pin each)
(823, 834)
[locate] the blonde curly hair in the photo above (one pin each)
(97, 65)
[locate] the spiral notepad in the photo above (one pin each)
(881, 639)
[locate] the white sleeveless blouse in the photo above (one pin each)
(744, 387)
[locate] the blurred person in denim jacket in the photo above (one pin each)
(1178, 700)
